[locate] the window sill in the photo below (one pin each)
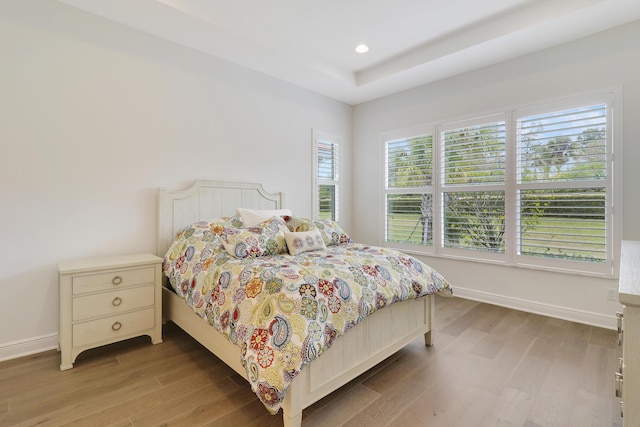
(503, 263)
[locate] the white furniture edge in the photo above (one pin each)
(363, 347)
(66, 270)
(629, 296)
(629, 289)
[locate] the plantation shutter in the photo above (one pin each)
(328, 179)
(474, 155)
(562, 189)
(409, 201)
(473, 160)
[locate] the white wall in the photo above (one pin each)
(606, 60)
(95, 117)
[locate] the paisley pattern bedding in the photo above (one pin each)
(284, 311)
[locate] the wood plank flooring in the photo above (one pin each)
(490, 366)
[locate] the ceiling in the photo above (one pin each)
(311, 43)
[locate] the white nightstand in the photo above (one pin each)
(105, 300)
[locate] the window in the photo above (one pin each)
(326, 175)
(409, 198)
(474, 186)
(562, 184)
(530, 187)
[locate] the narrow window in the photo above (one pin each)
(326, 175)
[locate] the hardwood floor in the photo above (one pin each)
(490, 366)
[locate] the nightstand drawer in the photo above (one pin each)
(114, 302)
(115, 279)
(112, 328)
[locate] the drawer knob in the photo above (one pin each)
(116, 280)
(618, 384)
(116, 301)
(116, 326)
(619, 317)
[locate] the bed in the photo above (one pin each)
(326, 364)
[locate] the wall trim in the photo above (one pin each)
(16, 349)
(564, 313)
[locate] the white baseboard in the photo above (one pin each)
(578, 316)
(25, 348)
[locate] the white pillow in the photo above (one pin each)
(304, 241)
(251, 217)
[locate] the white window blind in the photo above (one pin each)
(562, 193)
(474, 155)
(409, 201)
(473, 160)
(326, 176)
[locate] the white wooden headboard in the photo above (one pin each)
(205, 200)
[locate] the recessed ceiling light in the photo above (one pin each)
(362, 48)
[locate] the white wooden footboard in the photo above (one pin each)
(361, 348)
(364, 346)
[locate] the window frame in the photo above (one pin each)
(612, 222)
(396, 135)
(442, 187)
(319, 137)
(511, 257)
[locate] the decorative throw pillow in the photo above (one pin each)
(331, 232)
(264, 239)
(304, 241)
(298, 223)
(251, 217)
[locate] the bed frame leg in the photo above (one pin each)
(428, 338)
(292, 421)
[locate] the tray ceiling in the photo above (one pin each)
(311, 43)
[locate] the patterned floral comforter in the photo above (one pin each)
(284, 311)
